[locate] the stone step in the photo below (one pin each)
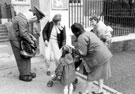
(3, 30)
(3, 34)
(4, 40)
(3, 27)
(3, 37)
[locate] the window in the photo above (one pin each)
(74, 1)
(59, 4)
(21, 2)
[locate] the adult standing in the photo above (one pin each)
(20, 27)
(54, 36)
(96, 56)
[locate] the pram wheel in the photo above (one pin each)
(75, 81)
(54, 78)
(50, 83)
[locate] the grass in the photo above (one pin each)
(123, 72)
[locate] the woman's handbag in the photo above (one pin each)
(27, 50)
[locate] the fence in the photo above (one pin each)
(119, 15)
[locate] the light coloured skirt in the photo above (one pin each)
(100, 72)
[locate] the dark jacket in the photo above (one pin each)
(61, 37)
(94, 52)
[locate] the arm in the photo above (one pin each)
(64, 36)
(83, 43)
(44, 32)
(24, 31)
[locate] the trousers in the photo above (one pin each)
(24, 65)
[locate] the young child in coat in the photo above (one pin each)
(65, 71)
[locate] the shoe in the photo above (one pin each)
(75, 81)
(33, 75)
(97, 93)
(26, 78)
(48, 73)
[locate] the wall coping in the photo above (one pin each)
(130, 36)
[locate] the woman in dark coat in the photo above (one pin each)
(96, 56)
(54, 36)
(20, 27)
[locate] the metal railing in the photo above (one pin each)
(122, 19)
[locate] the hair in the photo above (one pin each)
(77, 27)
(65, 50)
(94, 18)
(56, 18)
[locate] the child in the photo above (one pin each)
(65, 72)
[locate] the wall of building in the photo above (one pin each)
(34, 3)
(3, 10)
(3, 7)
(44, 6)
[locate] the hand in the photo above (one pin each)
(46, 43)
(32, 42)
(73, 47)
(34, 39)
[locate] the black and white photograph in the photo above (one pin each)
(60, 4)
(67, 46)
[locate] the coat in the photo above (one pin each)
(66, 69)
(20, 26)
(61, 37)
(100, 29)
(93, 50)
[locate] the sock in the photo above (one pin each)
(66, 89)
(100, 82)
(71, 88)
(88, 86)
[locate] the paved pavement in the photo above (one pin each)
(9, 83)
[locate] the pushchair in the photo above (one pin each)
(77, 62)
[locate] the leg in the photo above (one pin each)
(66, 89)
(56, 50)
(71, 88)
(47, 58)
(87, 88)
(24, 65)
(100, 81)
